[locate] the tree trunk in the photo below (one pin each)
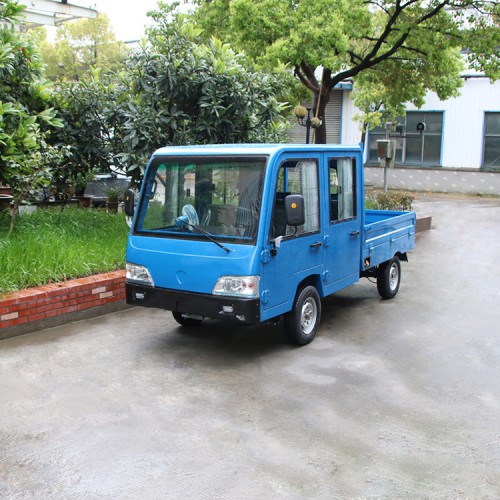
(320, 133)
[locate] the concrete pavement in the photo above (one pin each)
(437, 180)
(394, 398)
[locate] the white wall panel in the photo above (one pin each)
(463, 127)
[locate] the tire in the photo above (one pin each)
(389, 278)
(302, 322)
(185, 321)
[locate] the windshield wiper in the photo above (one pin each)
(204, 233)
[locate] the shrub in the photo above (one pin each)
(395, 201)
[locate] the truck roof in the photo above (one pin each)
(251, 149)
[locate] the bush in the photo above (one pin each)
(389, 201)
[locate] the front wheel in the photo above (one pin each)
(302, 322)
(185, 320)
(389, 278)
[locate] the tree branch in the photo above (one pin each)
(355, 59)
(309, 72)
(305, 81)
(374, 58)
(380, 6)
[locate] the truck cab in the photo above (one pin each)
(250, 233)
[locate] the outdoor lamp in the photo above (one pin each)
(304, 119)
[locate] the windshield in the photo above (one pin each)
(203, 198)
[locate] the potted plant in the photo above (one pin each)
(7, 190)
(5, 200)
(112, 198)
(79, 183)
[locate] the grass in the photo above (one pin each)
(54, 245)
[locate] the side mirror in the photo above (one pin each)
(129, 202)
(294, 210)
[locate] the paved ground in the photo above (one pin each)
(436, 180)
(393, 399)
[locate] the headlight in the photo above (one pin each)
(139, 274)
(238, 286)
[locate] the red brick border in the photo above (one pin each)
(48, 301)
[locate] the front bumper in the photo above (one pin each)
(238, 310)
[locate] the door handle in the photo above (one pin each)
(316, 245)
(355, 233)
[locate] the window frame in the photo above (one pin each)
(487, 135)
(298, 234)
(402, 147)
(157, 161)
(354, 214)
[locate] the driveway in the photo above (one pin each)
(394, 398)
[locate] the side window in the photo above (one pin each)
(342, 175)
(296, 177)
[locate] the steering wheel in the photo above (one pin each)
(190, 212)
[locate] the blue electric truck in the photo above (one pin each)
(252, 233)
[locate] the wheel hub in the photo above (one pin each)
(308, 316)
(393, 277)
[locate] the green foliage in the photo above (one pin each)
(480, 27)
(54, 245)
(113, 194)
(91, 113)
(26, 118)
(370, 202)
(11, 12)
(80, 46)
(182, 91)
(175, 90)
(392, 200)
(395, 51)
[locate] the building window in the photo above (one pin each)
(491, 156)
(415, 148)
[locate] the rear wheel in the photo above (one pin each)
(302, 322)
(389, 278)
(185, 320)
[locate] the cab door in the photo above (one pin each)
(292, 253)
(343, 231)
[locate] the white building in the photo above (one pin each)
(460, 133)
(53, 12)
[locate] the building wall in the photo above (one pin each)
(463, 121)
(351, 130)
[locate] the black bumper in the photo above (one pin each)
(243, 311)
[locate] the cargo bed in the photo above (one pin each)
(387, 233)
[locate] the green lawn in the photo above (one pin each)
(53, 245)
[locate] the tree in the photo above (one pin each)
(381, 94)
(401, 48)
(182, 91)
(26, 118)
(79, 46)
(91, 111)
(175, 90)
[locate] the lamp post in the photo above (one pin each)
(304, 119)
